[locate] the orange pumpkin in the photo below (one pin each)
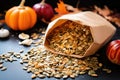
(20, 17)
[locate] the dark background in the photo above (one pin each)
(15, 72)
(112, 4)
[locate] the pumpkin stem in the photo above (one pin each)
(22, 3)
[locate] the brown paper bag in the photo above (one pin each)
(78, 35)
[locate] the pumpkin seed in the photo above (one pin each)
(17, 55)
(28, 70)
(26, 42)
(25, 68)
(3, 68)
(73, 75)
(65, 76)
(21, 51)
(23, 36)
(91, 72)
(100, 64)
(33, 76)
(94, 75)
(41, 76)
(21, 62)
(25, 61)
(107, 70)
(10, 59)
(1, 65)
(57, 76)
(82, 72)
(35, 35)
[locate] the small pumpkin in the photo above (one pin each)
(20, 17)
(113, 51)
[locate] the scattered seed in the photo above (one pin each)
(28, 70)
(3, 68)
(35, 35)
(25, 61)
(23, 36)
(37, 72)
(57, 75)
(107, 70)
(24, 57)
(24, 68)
(82, 72)
(94, 75)
(1, 65)
(33, 76)
(100, 64)
(17, 55)
(41, 76)
(65, 76)
(91, 72)
(73, 75)
(10, 59)
(21, 51)
(26, 42)
(14, 59)
(21, 62)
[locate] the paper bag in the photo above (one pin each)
(78, 35)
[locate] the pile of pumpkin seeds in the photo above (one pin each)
(70, 38)
(42, 63)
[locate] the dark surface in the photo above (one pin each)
(15, 71)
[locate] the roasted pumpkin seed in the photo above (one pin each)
(33, 76)
(23, 36)
(3, 68)
(1, 65)
(70, 38)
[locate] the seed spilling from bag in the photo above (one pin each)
(70, 38)
(78, 35)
